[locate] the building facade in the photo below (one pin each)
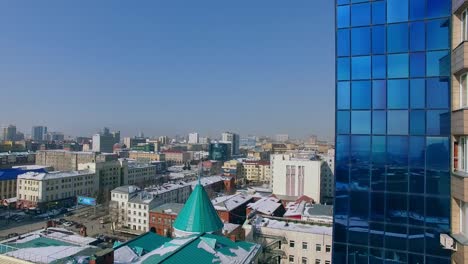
(8, 160)
(176, 157)
(392, 165)
(220, 151)
(45, 189)
(104, 141)
(193, 138)
(293, 176)
(234, 139)
(256, 171)
(62, 160)
(38, 133)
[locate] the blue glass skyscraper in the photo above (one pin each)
(393, 77)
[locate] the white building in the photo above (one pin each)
(302, 242)
(37, 189)
(293, 176)
(193, 138)
(282, 137)
(130, 205)
(234, 139)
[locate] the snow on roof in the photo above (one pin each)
(295, 209)
(124, 255)
(304, 227)
(149, 193)
(31, 167)
(208, 180)
(39, 176)
(45, 254)
(266, 205)
(139, 165)
(230, 202)
(126, 189)
(319, 210)
(229, 227)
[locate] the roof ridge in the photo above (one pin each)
(180, 246)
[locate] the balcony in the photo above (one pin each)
(459, 5)
(459, 184)
(460, 58)
(460, 122)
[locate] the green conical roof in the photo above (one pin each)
(198, 214)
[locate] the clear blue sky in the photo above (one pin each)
(165, 67)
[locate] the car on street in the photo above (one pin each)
(67, 224)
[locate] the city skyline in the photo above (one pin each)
(137, 57)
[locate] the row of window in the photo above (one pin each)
(135, 213)
(305, 246)
(395, 38)
(430, 93)
(394, 66)
(390, 11)
(304, 260)
(394, 122)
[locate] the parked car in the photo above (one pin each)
(12, 235)
(67, 224)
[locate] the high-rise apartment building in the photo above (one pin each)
(193, 138)
(9, 133)
(392, 166)
(234, 139)
(38, 133)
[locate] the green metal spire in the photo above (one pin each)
(198, 214)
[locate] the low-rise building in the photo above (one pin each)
(232, 208)
(256, 171)
(142, 156)
(7, 159)
(214, 185)
(130, 206)
(176, 157)
(41, 189)
(8, 180)
(290, 241)
(62, 160)
(110, 175)
(161, 218)
(268, 206)
(212, 167)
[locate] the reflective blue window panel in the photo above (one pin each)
(342, 16)
(438, 63)
(417, 35)
(361, 68)
(379, 94)
(438, 92)
(397, 122)
(378, 13)
(343, 42)
(438, 34)
(379, 67)
(397, 38)
(418, 93)
(343, 69)
(343, 95)
(360, 14)
(397, 11)
(360, 41)
(360, 122)
(397, 94)
(398, 66)
(361, 95)
(417, 64)
(379, 37)
(417, 9)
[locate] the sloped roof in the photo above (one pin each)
(198, 214)
(202, 248)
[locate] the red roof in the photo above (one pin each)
(258, 162)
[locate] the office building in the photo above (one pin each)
(38, 133)
(142, 156)
(104, 141)
(176, 157)
(36, 189)
(8, 160)
(295, 177)
(392, 166)
(131, 142)
(9, 133)
(193, 138)
(164, 140)
(234, 139)
(62, 160)
(220, 151)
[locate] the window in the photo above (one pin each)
(291, 259)
(462, 150)
(291, 243)
(317, 261)
(463, 90)
(464, 218)
(464, 26)
(304, 245)
(318, 247)
(304, 260)
(327, 262)
(327, 248)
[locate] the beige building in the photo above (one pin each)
(42, 189)
(143, 156)
(176, 157)
(140, 174)
(62, 160)
(110, 175)
(459, 130)
(291, 241)
(256, 171)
